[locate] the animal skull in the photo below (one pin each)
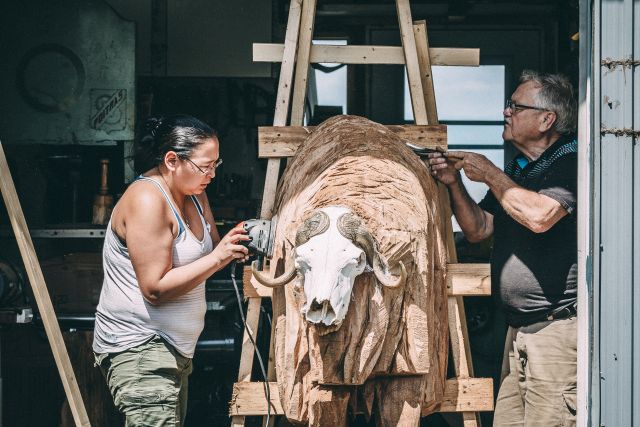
(329, 264)
(333, 246)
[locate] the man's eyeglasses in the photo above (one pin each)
(510, 105)
(206, 170)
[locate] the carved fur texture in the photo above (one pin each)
(389, 356)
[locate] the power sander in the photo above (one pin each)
(262, 233)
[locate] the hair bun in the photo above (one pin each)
(152, 124)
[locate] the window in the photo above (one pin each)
(327, 88)
(470, 101)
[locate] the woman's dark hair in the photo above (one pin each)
(159, 135)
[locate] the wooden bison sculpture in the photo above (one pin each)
(358, 273)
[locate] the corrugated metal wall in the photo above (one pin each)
(615, 219)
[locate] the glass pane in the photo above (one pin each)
(331, 87)
(465, 93)
(474, 135)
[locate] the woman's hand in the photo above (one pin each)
(230, 249)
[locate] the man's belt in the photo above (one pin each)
(562, 313)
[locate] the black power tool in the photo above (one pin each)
(261, 232)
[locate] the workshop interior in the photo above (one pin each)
(78, 78)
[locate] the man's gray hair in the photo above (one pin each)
(556, 94)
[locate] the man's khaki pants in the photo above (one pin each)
(538, 386)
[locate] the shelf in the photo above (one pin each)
(60, 232)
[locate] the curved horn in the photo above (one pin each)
(318, 223)
(275, 282)
(388, 280)
(351, 227)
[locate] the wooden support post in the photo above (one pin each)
(411, 61)
(302, 62)
(41, 294)
(426, 75)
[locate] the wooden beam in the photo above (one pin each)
(283, 97)
(302, 62)
(411, 60)
(282, 102)
(41, 294)
(426, 75)
(462, 280)
(354, 54)
(283, 141)
(469, 279)
(470, 394)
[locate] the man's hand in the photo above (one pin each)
(443, 169)
(476, 166)
(476, 224)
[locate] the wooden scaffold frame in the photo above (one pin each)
(463, 394)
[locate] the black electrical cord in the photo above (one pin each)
(265, 383)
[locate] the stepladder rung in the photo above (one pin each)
(462, 280)
(283, 141)
(375, 55)
(460, 395)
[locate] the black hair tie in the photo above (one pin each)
(153, 124)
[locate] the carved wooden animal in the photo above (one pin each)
(358, 273)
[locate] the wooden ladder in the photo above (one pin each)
(463, 394)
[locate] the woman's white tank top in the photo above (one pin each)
(124, 319)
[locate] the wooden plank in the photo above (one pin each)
(420, 34)
(41, 294)
(282, 102)
(288, 63)
(302, 62)
(278, 142)
(411, 61)
(462, 280)
(248, 352)
(253, 316)
(469, 279)
(467, 395)
(357, 54)
(470, 394)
